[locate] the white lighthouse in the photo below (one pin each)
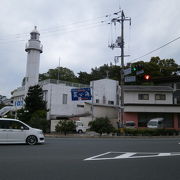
(33, 49)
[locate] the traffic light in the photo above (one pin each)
(137, 67)
(134, 69)
(147, 77)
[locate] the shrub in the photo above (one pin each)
(150, 132)
(101, 125)
(65, 126)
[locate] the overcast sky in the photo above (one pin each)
(78, 32)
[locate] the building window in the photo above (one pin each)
(143, 96)
(160, 97)
(45, 93)
(178, 86)
(117, 100)
(111, 102)
(64, 98)
(33, 36)
(97, 100)
(79, 105)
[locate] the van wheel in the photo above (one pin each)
(31, 140)
(80, 132)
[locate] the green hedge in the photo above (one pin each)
(148, 132)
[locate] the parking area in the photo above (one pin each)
(92, 158)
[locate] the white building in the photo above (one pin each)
(58, 96)
(106, 91)
(33, 49)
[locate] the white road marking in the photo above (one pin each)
(130, 155)
(125, 155)
(95, 157)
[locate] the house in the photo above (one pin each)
(173, 82)
(143, 103)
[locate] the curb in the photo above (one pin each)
(104, 136)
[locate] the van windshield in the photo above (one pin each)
(130, 124)
(153, 123)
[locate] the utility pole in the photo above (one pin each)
(92, 102)
(122, 70)
(120, 44)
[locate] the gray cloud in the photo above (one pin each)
(80, 45)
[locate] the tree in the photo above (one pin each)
(34, 99)
(156, 67)
(38, 120)
(166, 67)
(34, 113)
(65, 126)
(101, 125)
(63, 73)
(84, 77)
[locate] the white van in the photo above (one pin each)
(155, 123)
(80, 128)
(15, 131)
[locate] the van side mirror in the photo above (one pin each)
(22, 128)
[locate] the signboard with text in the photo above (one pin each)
(81, 94)
(130, 79)
(127, 71)
(18, 103)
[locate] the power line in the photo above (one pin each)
(70, 29)
(85, 27)
(156, 49)
(56, 29)
(74, 23)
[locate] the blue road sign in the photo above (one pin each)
(140, 72)
(81, 94)
(127, 71)
(130, 79)
(19, 103)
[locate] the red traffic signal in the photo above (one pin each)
(147, 77)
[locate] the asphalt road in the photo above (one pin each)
(92, 159)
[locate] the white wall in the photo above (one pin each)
(132, 97)
(53, 125)
(152, 109)
(55, 100)
(107, 88)
(32, 68)
(102, 111)
(18, 97)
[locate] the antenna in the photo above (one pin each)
(107, 74)
(59, 69)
